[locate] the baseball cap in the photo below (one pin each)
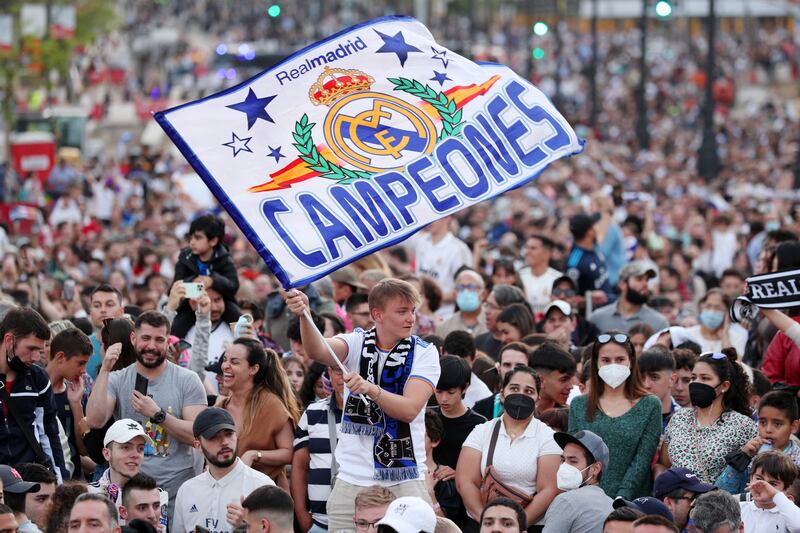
(409, 514)
(645, 504)
(561, 305)
(347, 276)
(679, 478)
(591, 442)
(13, 482)
(581, 223)
(216, 366)
(211, 421)
(635, 269)
(123, 430)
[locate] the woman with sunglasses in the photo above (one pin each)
(618, 408)
(718, 423)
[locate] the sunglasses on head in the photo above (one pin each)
(619, 338)
(716, 356)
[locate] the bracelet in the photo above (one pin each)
(436, 506)
(380, 391)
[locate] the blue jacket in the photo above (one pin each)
(28, 391)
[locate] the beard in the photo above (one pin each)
(219, 463)
(155, 364)
(635, 297)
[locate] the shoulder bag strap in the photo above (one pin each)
(493, 442)
(26, 429)
(332, 437)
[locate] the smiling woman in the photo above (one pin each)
(264, 406)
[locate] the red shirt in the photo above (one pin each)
(782, 361)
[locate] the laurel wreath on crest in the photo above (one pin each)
(446, 108)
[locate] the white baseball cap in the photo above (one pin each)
(124, 430)
(561, 305)
(409, 514)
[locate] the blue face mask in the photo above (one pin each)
(711, 319)
(468, 301)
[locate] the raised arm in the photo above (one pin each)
(313, 342)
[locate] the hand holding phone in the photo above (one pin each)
(193, 290)
(141, 384)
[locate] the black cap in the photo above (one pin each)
(13, 482)
(646, 505)
(211, 421)
(581, 223)
(216, 366)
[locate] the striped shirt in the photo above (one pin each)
(313, 433)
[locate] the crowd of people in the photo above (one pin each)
(559, 359)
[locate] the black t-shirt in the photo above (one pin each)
(456, 431)
(64, 414)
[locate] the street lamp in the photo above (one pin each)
(708, 157)
(642, 133)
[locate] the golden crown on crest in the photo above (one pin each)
(335, 83)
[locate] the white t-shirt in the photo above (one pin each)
(538, 288)
(476, 391)
(738, 340)
(203, 500)
(354, 452)
(507, 461)
(440, 261)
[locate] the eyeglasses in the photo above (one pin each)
(489, 305)
(569, 293)
(363, 525)
(468, 287)
(619, 338)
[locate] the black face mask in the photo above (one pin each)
(635, 297)
(519, 406)
(15, 363)
(702, 395)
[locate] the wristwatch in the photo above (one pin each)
(159, 417)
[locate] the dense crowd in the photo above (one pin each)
(559, 359)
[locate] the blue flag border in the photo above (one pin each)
(237, 216)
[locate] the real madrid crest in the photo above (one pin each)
(371, 132)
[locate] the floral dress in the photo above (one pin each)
(702, 449)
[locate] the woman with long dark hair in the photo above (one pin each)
(718, 422)
(264, 406)
(119, 330)
(619, 409)
(514, 323)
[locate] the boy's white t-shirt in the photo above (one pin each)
(354, 453)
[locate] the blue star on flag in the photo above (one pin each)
(396, 45)
(276, 153)
(238, 145)
(441, 77)
(254, 107)
(440, 55)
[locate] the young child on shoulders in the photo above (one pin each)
(206, 261)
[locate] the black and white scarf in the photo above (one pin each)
(774, 290)
(393, 447)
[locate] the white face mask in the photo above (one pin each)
(614, 375)
(568, 477)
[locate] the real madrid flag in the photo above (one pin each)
(356, 142)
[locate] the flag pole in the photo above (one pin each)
(307, 316)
